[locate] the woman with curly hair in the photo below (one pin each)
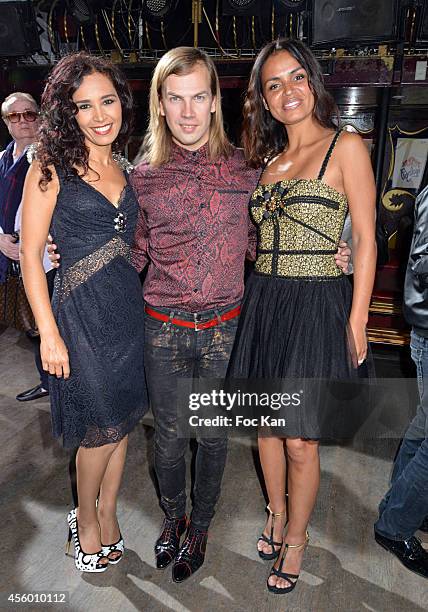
(299, 317)
(92, 335)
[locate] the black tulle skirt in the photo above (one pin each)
(298, 329)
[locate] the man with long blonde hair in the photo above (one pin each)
(193, 187)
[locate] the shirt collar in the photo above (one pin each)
(179, 153)
(15, 156)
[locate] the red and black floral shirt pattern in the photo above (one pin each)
(194, 229)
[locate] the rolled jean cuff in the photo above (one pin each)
(201, 524)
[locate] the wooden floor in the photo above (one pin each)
(344, 569)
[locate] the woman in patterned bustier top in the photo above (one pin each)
(299, 316)
(92, 335)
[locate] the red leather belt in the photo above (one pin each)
(226, 316)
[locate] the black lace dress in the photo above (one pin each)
(98, 306)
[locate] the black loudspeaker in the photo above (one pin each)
(241, 8)
(285, 7)
(359, 21)
(18, 28)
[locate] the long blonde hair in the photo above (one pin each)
(156, 146)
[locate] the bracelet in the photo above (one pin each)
(15, 236)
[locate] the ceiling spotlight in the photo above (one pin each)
(83, 10)
(241, 8)
(284, 7)
(158, 10)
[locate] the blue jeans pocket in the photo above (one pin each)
(153, 325)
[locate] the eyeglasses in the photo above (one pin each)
(28, 116)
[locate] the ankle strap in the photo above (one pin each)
(268, 508)
(298, 545)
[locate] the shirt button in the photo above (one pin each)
(202, 205)
(198, 262)
(195, 291)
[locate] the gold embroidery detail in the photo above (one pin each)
(304, 266)
(292, 235)
(86, 267)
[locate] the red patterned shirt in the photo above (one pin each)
(194, 229)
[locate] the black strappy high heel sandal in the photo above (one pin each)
(290, 578)
(269, 540)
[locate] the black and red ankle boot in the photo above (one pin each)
(168, 543)
(191, 555)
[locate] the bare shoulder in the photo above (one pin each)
(351, 143)
(352, 153)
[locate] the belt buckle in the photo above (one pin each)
(212, 322)
(195, 322)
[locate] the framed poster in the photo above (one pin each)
(409, 163)
(407, 160)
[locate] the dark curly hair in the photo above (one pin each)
(61, 141)
(263, 137)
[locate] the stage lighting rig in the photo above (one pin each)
(18, 28)
(241, 8)
(83, 10)
(158, 10)
(285, 7)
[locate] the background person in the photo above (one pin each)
(20, 113)
(21, 116)
(404, 509)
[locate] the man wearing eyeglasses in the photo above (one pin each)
(20, 113)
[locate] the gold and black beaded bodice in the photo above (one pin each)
(299, 223)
